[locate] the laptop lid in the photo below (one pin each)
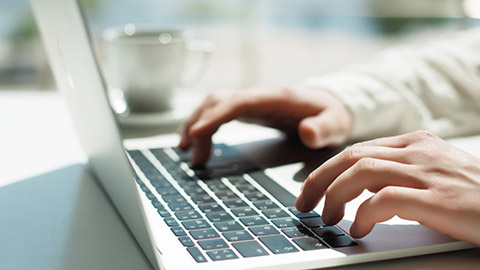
(78, 76)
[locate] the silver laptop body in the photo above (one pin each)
(78, 76)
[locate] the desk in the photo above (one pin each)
(54, 221)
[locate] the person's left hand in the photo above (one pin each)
(416, 176)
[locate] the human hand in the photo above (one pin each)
(416, 176)
(320, 118)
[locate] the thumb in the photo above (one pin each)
(319, 131)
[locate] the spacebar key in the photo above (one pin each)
(282, 195)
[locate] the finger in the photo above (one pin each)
(185, 141)
(406, 203)
(320, 179)
(320, 130)
(185, 138)
(201, 132)
(399, 141)
(202, 147)
(263, 107)
(211, 119)
(394, 142)
(368, 173)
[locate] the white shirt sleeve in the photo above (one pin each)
(434, 87)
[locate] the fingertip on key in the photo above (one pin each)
(299, 203)
(354, 231)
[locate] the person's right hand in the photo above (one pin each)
(318, 116)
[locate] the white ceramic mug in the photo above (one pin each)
(147, 63)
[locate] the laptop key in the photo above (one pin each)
(256, 196)
(234, 203)
(226, 195)
(278, 244)
(178, 231)
(309, 243)
(157, 204)
(216, 184)
(263, 205)
(164, 213)
(237, 236)
(196, 254)
(244, 212)
(275, 213)
(187, 215)
(181, 206)
(253, 221)
(159, 184)
(192, 191)
(160, 154)
(219, 216)
(186, 241)
(196, 224)
(237, 180)
(171, 222)
(151, 196)
(204, 234)
(313, 222)
(231, 225)
(219, 188)
(246, 188)
(339, 241)
(167, 191)
(301, 215)
(263, 230)
(213, 244)
(328, 231)
(176, 198)
(188, 184)
(210, 207)
(178, 174)
(277, 191)
(296, 232)
(202, 199)
(192, 188)
(222, 254)
(250, 249)
(286, 222)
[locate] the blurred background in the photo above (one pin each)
(257, 41)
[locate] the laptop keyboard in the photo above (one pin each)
(229, 209)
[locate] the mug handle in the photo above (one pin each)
(205, 48)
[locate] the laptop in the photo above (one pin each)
(230, 215)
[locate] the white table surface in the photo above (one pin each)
(37, 141)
